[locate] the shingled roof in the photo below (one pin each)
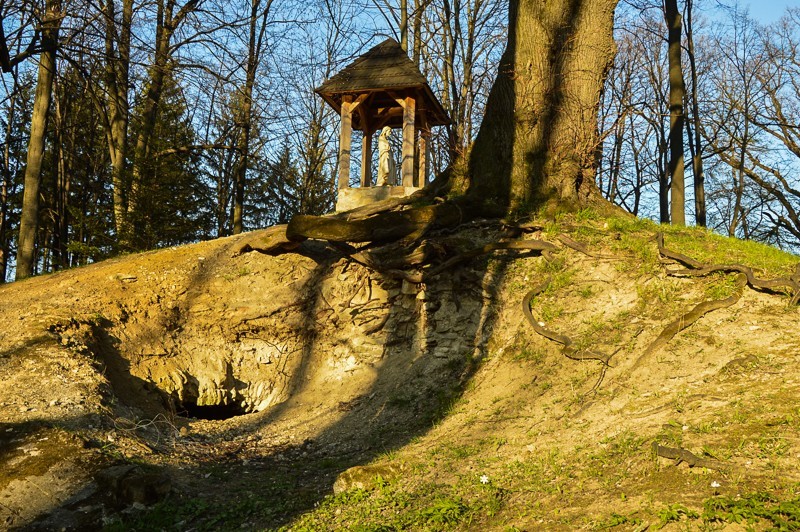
(383, 69)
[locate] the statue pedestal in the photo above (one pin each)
(352, 198)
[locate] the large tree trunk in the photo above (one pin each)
(33, 169)
(538, 140)
(677, 92)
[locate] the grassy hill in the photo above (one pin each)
(200, 388)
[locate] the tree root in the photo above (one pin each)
(270, 241)
(781, 285)
(406, 256)
(581, 248)
(685, 320)
(568, 350)
(682, 455)
(695, 268)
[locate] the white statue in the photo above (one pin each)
(387, 174)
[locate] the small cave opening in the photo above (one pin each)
(191, 409)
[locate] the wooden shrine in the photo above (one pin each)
(383, 88)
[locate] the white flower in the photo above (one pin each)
(715, 484)
(484, 479)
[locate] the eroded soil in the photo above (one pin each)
(240, 387)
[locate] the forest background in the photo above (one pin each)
(165, 122)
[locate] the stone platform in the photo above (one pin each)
(351, 198)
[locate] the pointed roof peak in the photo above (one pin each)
(384, 72)
(384, 66)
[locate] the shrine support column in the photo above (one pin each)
(407, 165)
(424, 150)
(366, 158)
(345, 137)
(424, 157)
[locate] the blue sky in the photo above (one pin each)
(766, 11)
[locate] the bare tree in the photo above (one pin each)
(33, 171)
(677, 93)
(257, 27)
(695, 123)
(169, 18)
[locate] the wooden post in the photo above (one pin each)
(366, 158)
(424, 156)
(407, 165)
(345, 137)
(424, 147)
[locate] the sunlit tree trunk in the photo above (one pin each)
(538, 142)
(404, 25)
(33, 170)
(695, 143)
(117, 79)
(677, 92)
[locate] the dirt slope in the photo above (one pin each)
(198, 388)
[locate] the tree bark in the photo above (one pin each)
(6, 183)
(419, 8)
(117, 73)
(404, 25)
(538, 140)
(33, 170)
(255, 38)
(677, 92)
(696, 146)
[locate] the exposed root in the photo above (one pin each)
(568, 350)
(695, 268)
(379, 325)
(688, 457)
(785, 285)
(685, 320)
(581, 248)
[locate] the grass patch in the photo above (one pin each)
(753, 509)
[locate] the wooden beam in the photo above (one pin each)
(345, 137)
(407, 164)
(361, 99)
(366, 144)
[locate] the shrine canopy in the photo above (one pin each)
(382, 88)
(382, 74)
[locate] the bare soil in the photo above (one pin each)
(245, 385)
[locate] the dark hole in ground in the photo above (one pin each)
(211, 412)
